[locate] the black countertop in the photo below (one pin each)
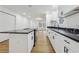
(74, 37)
(22, 31)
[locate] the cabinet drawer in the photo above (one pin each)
(73, 45)
(4, 46)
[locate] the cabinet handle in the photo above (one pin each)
(53, 37)
(65, 49)
(67, 41)
(32, 38)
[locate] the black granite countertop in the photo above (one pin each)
(74, 37)
(21, 31)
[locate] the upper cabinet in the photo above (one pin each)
(69, 14)
(65, 9)
(52, 18)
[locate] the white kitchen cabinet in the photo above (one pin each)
(52, 17)
(66, 8)
(67, 45)
(59, 43)
(72, 46)
(21, 43)
(56, 40)
(53, 38)
(30, 41)
(72, 20)
(18, 43)
(49, 33)
(62, 44)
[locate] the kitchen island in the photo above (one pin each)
(20, 41)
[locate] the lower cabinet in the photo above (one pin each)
(59, 43)
(53, 39)
(21, 43)
(49, 33)
(70, 46)
(18, 43)
(30, 41)
(62, 44)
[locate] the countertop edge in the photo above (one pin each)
(17, 32)
(66, 36)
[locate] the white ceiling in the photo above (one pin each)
(31, 10)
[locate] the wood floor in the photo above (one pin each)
(42, 44)
(4, 46)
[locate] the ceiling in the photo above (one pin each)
(31, 10)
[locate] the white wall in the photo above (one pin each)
(21, 21)
(7, 21)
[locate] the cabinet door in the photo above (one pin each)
(53, 38)
(59, 43)
(30, 41)
(18, 43)
(74, 46)
(49, 34)
(66, 8)
(32, 38)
